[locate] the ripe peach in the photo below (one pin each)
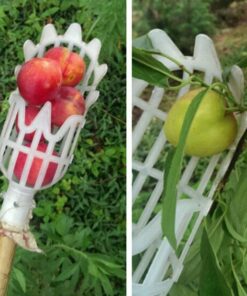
(30, 113)
(39, 80)
(35, 167)
(63, 109)
(71, 94)
(72, 65)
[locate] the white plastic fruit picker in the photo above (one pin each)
(18, 202)
(157, 266)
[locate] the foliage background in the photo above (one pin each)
(184, 19)
(80, 222)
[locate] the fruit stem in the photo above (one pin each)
(239, 109)
(182, 84)
(174, 77)
(180, 66)
(220, 87)
(198, 81)
(228, 93)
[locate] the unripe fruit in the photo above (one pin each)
(39, 80)
(72, 65)
(212, 130)
(35, 167)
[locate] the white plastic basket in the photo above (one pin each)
(18, 200)
(156, 265)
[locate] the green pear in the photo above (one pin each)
(213, 129)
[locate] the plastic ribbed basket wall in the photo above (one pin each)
(156, 266)
(18, 200)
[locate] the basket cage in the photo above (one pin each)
(60, 142)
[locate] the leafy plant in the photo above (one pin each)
(193, 17)
(72, 268)
(227, 243)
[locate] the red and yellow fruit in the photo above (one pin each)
(39, 80)
(68, 101)
(72, 65)
(71, 94)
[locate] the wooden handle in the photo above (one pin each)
(7, 252)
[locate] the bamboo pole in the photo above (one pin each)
(7, 252)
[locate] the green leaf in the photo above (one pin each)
(107, 265)
(147, 68)
(93, 269)
(182, 290)
(67, 272)
(236, 218)
(233, 232)
(226, 73)
(63, 224)
(50, 11)
(241, 291)
(168, 164)
(172, 179)
(243, 62)
(212, 281)
(106, 284)
(244, 269)
(20, 277)
(143, 42)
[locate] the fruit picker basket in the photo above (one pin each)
(156, 264)
(42, 127)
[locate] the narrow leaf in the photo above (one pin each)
(147, 68)
(243, 62)
(233, 232)
(106, 284)
(212, 281)
(241, 291)
(168, 164)
(143, 42)
(107, 265)
(236, 218)
(182, 290)
(226, 74)
(67, 273)
(18, 274)
(50, 12)
(174, 172)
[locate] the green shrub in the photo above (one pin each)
(182, 19)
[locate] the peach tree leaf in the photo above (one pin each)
(174, 172)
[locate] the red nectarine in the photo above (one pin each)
(63, 109)
(30, 113)
(71, 94)
(72, 65)
(39, 80)
(35, 167)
